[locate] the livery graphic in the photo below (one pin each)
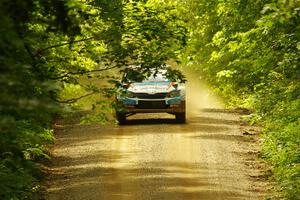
(156, 94)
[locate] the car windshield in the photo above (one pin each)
(135, 76)
(159, 77)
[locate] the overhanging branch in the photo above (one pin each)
(81, 73)
(73, 100)
(62, 44)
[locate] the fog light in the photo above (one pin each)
(174, 106)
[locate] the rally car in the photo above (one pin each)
(155, 94)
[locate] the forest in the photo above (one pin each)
(51, 52)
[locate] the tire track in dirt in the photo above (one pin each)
(155, 158)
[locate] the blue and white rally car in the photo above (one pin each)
(155, 94)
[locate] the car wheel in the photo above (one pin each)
(180, 117)
(121, 117)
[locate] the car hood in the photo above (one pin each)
(151, 87)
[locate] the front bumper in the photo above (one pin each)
(168, 105)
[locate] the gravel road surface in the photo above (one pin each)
(212, 156)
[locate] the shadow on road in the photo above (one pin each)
(153, 158)
(150, 121)
(154, 179)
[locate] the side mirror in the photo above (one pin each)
(126, 85)
(174, 84)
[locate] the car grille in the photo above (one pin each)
(152, 104)
(151, 96)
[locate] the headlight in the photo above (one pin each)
(174, 93)
(129, 94)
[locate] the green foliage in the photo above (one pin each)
(249, 51)
(152, 34)
(57, 52)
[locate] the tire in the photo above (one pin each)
(121, 117)
(180, 117)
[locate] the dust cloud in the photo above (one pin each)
(198, 94)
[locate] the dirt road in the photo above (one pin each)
(207, 158)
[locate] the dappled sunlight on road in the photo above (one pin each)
(145, 159)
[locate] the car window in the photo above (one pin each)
(136, 76)
(159, 77)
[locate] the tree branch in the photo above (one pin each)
(81, 72)
(73, 100)
(62, 44)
